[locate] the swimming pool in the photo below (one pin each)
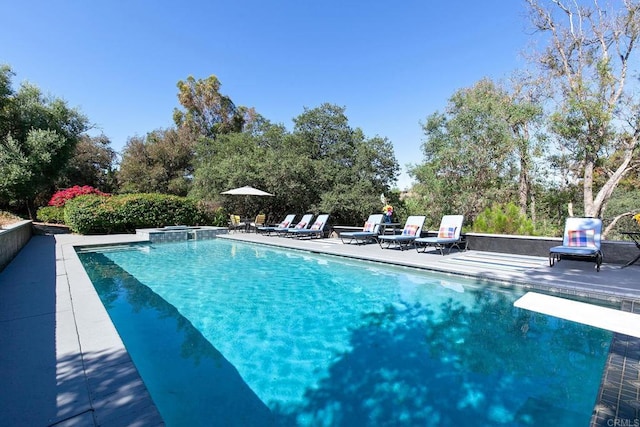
(229, 333)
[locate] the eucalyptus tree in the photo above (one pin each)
(207, 112)
(589, 52)
(476, 153)
(38, 134)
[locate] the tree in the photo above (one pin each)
(350, 170)
(524, 114)
(208, 112)
(323, 165)
(161, 162)
(92, 164)
(597, 118)
(37, 137)
(475, 153)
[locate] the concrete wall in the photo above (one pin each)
(615, 252)
(12, 238)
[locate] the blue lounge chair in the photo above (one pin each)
(411, 231)
(581, 239)
(303, 223)
(316, 230)
(448, 235)
(369, 232)
(283, 226)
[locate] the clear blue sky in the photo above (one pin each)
(389, 64)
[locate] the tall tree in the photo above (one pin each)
(207, 112)
(473, 152)
(37, 137)
(92, 164)
(597, 119)
(350, 170)
(524, 116)
(323, 165)
(160, 162)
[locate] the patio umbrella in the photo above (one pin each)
(246, 191)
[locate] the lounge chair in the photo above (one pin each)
(411, 231)
(448, 235)
(303, 223)
(581, 239)
(316, 230)
(283, 226)
(258, 222)
(369, 232)
(236, 224)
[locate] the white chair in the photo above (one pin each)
(448, 235)
(581, 239)
(370, 231)
(411, 231)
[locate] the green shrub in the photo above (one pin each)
(218, 217)
(51, 214)
(503, 219)
(92, 214)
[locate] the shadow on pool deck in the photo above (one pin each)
(63, 363)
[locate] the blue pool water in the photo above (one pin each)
(226, 333)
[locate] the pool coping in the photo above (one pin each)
(111, 392)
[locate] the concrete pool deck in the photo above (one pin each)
(63, 364)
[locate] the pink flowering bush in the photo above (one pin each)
(63, 196)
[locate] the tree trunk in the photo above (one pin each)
(607, 189)
(523, 186)
(30, 209)
(589, 208)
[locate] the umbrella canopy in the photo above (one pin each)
(246, 191)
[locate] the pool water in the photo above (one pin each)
(229, 333)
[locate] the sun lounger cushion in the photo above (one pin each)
(301, 224)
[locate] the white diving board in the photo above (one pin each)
(601, 317)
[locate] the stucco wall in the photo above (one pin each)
(12, 239)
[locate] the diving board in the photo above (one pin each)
(601, 317)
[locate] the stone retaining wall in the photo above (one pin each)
(12, 238)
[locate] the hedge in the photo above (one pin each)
(51, 214)
(94, 214)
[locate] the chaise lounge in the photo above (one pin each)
(411, 231)
(581, 239)
(302, 224)
(448, 235)
(369, 232)
(283, 226)
(316, 230)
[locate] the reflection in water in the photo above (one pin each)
(415, 361)
(169, 353)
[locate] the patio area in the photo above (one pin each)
(64, 363)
